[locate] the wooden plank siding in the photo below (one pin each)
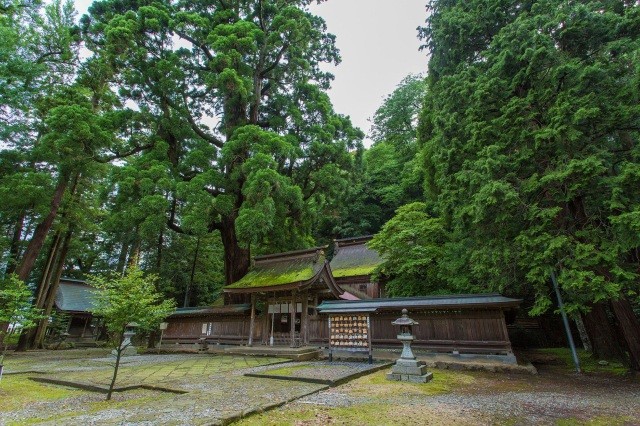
(219, 329)
(465, 330)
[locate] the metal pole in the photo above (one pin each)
(565, 320)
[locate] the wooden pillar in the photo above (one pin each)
(266, 331)
(84, 329)
(304, 319)
(292, 318)
(252, 320)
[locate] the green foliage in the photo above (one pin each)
(131, 298)
(387, 175)
(412, 244)
(59, 325)
(237, 133)
(588, 363)
(395, 121)
(528, 138)
(15, 307)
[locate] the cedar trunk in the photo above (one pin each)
(602, 334)
(629, 329)
(40, 234)
(236, 258)
(14, 248)
(53, 289)
(27, 337)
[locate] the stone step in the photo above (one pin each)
(297, 354)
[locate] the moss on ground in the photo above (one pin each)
(291, 371)
(17, 391)
(598, 421)
(588, 363)
(382, 402)
(376, 384)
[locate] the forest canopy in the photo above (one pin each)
(187, 137)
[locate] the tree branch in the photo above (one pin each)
(213, 191)
(194, 126)
(195, 42)
(123, 154)
(276, 62)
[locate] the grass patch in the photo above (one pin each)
(376, 384)
(363, 414)
(291, 371)
(588, 363)
(17, 391)
(597, 421)
(380, 402)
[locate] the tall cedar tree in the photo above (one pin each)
(238, 122)
(530, 135)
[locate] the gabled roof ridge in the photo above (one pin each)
(290, 255)
(75, 281)
(352, 241)
(429, 297)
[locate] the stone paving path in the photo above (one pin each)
(217, 391)
(325, 372)
(158, 369)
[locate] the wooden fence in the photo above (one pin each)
(481, 331)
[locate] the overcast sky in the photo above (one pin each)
(379, 47)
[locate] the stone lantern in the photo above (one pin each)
(127, 346)
(407, 368)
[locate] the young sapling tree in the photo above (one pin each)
(123, 300)
(15, 310)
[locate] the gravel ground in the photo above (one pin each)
(549, 398)
(323, 370)
(216, 394)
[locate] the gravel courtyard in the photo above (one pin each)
(212, 389)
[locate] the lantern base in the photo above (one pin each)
(410, 371)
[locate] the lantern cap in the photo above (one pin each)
(404, 319)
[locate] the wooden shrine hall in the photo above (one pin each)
(290, 299)
(288, 286)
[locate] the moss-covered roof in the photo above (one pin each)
(281, 269)
(210, 310)
(353, 258)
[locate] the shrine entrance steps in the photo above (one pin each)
(304, 353)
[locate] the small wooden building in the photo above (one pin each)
(293, 295)
(75, 299)
(218, 325)
(353, 265)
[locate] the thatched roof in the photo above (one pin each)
(353, 258)
(286, 271)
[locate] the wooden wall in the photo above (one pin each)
(362, 284)
(465, 331)
(217, 329)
